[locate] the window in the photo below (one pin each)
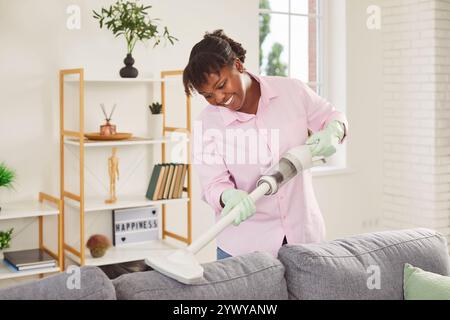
(289, 40)
(293, 37)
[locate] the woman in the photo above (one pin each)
(243, 105)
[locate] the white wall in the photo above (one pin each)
(350, 202)
(416, 103)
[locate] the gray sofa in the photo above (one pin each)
(368, 266)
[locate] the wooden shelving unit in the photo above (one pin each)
(93, 204)
(83, 204)
(130, 142)
(31, 209)
(117, 80)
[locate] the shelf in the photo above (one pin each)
(71, 78)
(128, 142)
(26, 209)
(98, 203)
(130, 252)
(116, 80)
(6, 272)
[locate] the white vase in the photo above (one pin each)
(156, 126)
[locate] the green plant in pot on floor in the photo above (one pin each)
(131, 20)
(7, 178)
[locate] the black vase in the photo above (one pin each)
(129, 71)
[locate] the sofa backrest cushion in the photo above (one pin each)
(93, 285)
(255, 276)
(368, 266)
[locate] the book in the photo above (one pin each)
(29, 268)
(164, 181)
(29, 259)
(153, 180)
(159, 182)
(168, 180)
(179, 182)
(174, 181)
(37, 266)
(181, 186)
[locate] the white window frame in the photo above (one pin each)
(334, 76)
(319, 85)
(332, 81)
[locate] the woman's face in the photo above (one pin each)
(227, 89)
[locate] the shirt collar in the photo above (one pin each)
(267, 93)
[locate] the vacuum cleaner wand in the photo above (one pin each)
(212, 233)
(182, 264)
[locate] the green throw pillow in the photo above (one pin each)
(423, 285)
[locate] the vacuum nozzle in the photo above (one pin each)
(180, 265)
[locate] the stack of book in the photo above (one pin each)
(167, 181)
(29, 259)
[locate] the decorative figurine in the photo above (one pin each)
(107, 129)
(113, 168)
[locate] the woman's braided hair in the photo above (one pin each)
(210, 55)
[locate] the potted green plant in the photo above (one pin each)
(155, 108)
(7, 177)
(156, 120)
(5, 240)
(131, 20)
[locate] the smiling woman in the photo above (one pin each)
(208, 56)
(216, 71)
(239, 103)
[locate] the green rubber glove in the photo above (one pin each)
(324, 142)
(234, 197)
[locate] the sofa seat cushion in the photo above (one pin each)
(368, 266)
(93, 284)
(255, 276)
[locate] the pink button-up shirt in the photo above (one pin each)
(233, 149)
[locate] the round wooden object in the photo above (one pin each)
(113, 137)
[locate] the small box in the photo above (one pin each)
(135, 225)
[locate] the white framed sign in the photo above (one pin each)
(135, 225)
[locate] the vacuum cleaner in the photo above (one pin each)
(182, 265)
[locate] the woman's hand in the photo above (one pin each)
(324, 143)
(234, 197)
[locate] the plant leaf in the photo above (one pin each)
(130, 19)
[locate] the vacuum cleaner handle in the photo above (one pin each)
(212, 233)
